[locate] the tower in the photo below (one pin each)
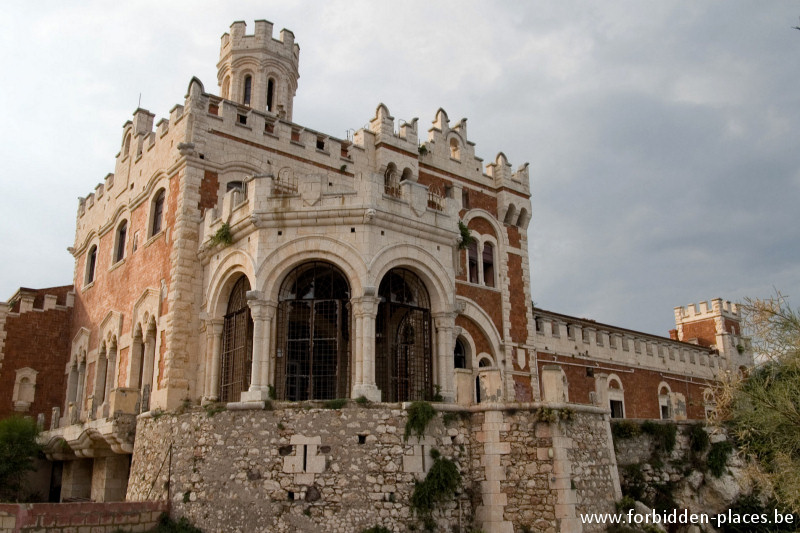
(258, 71)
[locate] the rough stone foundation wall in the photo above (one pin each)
(79, 517)
(294, 469)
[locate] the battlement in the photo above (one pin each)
(262, 38)
(26, 300)
(719, 308)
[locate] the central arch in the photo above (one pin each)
(403, 356)
(313, 352)
(237, 344)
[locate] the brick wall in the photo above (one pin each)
(39, 340)
(519, 304)
(74, 517)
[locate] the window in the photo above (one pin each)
(126, 146)
(616, 409)
(403, 353)
(313, 326)
(91, 264)
(24, 389)
(226, 87)
(391, 182)
(465, 198)
(122, 231)
(270, 94)
(248, 89)
(455, 151)
(460, 354)
(237, 345)
(488, 264)
(472, 262)
(158, 213)
(616, 397)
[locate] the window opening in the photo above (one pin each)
(472, 262)
(403, 356)
(158, 212)
(91, 263)
(121, 233)
(460, 354)
(237, 344)
(248, 86)
(270, 93)
(488, 264)
(616, 409)
(313, 322)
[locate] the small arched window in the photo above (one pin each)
(248, 89)
(122, 231)
(488, 264)
(472, 262)
(270, 94)
(91, 264)
(460, 354)
(158, 213)
(455, 150)
(126, 149)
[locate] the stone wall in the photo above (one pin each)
(680, 474)
(73, 517)
(301, 467)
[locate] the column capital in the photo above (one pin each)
(366, 305)
(215, 325)
(261, 309)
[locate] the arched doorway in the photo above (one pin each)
(313, 350)
(403, 357)
(237, 344)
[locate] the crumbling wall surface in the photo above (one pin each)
(293, 468)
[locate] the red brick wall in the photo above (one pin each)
(640, 386)
(209, 188)
(479, 200)
(73, 517)
(522, 389)
(702, 330)
(481, 342)
(487, 299)
(481, 226)
(39, 340)
(429, 179)
(120, 288)
(519, 305)
(514, 239)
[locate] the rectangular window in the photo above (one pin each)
(472, 262)
(616, 409)
(488, 264)
(465, 198)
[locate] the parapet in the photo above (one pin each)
(237, 39)
(718, 308)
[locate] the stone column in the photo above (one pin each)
(445, 342)
(216, 351)
(262, 313)
(365, 309)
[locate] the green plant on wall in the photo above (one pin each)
(441, 483)
(419, 415)
(223, 235)
(466, 236)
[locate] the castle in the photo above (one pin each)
(238, 260)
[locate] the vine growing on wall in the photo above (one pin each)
(419, 415)
(441, 483)
(223, 235)
(466, 237)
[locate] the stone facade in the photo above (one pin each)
(306, 468)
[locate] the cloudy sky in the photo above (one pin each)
(662, 136)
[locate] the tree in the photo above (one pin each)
(18, 449)
(762, 409)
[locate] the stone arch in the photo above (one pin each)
(432, 273)
(484, 216)
(283, 260)
(616, 396)
(484, 323)
(221, 282)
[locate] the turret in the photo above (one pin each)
(257, 70)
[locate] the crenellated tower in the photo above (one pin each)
(257, 70)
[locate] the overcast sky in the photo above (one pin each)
(663, 137)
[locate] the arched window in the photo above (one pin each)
(391, 181)
(460, 354)
(122, 232)
(270, 94)
(248, 89)
(158, 213)
(126, 146)
(403, 356)
(616, 397)
(24, 389)
(455, 150)
(664, 403)
(91, 264)
(237, 345)
(488, 264)
(472, 262)
(314, 331)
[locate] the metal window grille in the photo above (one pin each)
(237, 345)
(313, 325)
(403, 358)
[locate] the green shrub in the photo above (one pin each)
(335, 404)
(419, 415)
(698, 438)
(663, 435)
(718, 457)
(168, 525)
(18, 449)
(442, 481)
(625, 429)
